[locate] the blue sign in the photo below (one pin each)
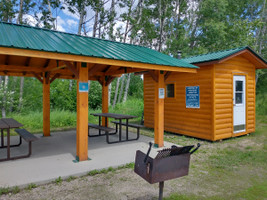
(192, 97)
(83, 87)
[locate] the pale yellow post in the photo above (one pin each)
(46, 106)
(104, 101)
(82, 115)
(159, 111)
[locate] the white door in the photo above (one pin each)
(239, 104)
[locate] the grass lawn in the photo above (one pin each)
(232, 169)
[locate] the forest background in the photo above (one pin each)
(190, 26)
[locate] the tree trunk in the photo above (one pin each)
(13, 88)
(111, 22)
(4, 97)
(19, 18)
(126, 88)
(89, 83)
(51, 15)
(95, 23)
(70, 85)
(109, 93)
(81, 20)
(116, 93)
(21, 92)
(121, 90)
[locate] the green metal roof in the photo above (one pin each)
(218, 55)
(27, 37)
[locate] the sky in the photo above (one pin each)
(68, 22)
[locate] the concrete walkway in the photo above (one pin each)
(53, 157)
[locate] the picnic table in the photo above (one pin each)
(7, 124)
(120, 123)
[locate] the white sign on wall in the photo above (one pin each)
(161, 93)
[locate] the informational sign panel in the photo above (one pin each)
(83, 87)
(192, 97)
(161, 93)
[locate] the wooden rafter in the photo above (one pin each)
(93, 69)
(20, 68)
(110, 79)
(112, 69)
(99, 80)
(57, 75)
(38, 77)
(107, 68)
(122, 71)
(46, 63)
(140, 73)
(153, 75)
(27, 62)
(167, 75)
(7, 60)
(55, 68)
(47, 77)
(72, 68)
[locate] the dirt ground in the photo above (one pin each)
(205, 178)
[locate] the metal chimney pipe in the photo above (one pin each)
(179, 54)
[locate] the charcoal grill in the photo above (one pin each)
(169, 163)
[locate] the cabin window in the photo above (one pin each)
(239, 92)
(170, 90)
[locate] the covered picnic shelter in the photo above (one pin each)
(48, 55)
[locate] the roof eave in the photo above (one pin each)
(259, 62)
(88, 59)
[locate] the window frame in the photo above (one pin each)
(174, 90)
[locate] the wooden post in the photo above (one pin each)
(82, 113)
(104, 100)
(46, 105)
(159, 110)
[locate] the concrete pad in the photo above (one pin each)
(53, 157)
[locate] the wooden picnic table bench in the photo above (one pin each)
(137, 126)
(28, 137)
(119, 117)
(107, 130)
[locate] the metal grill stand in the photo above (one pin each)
(168, 164)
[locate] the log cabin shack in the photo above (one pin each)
(217, 102)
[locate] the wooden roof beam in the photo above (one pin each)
(112, 69)
(93, 69)
(140, 73)
(153, 76)
(38, 77)
(7, 60)
(123, 71)
(109, 80)
(95, 60)
(72, 68)
(57, 75)
(27, 62)
(46, 63)
(167, 75)
(20, 68)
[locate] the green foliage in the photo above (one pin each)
(58, 181)
(4, 190)
(33, 121)
(31, 186)
(15, 190)
(133, 107)
(70, 178)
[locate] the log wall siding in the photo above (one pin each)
(178, 118)
(214, 119)
(223, 93)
